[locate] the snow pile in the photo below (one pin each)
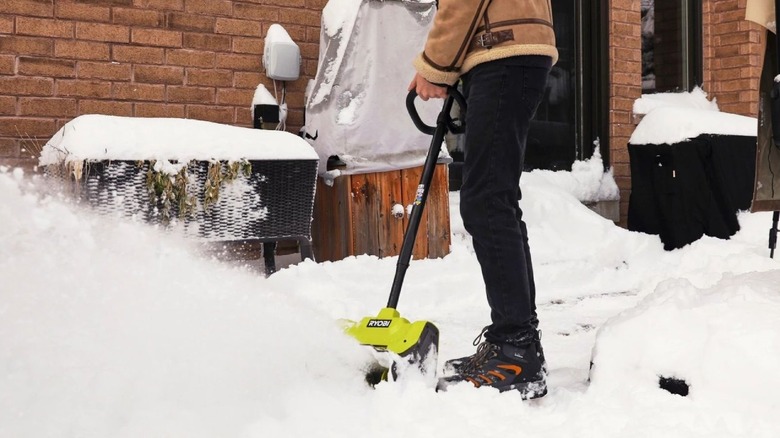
(129, 334)
(587, 181)
(108, 328)
(696, 99)
(262, 97)
(723, 340)
(99, 137)
(672, 118)
(671, 125)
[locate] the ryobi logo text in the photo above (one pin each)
(381, 323)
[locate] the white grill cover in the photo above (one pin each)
(356, 104)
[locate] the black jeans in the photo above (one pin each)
(502, 98)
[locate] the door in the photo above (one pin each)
(572, 118)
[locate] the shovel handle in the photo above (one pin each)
(455, 128)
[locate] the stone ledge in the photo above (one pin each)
(606, 209)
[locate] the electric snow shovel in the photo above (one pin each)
(416, 342)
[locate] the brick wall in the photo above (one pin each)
(733, 53)
(625, 78)
(198, 59)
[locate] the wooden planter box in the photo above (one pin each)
(355, 215)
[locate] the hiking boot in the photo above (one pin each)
(461, 364)
(505, 367)
(457, 366)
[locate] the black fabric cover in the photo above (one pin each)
(683, 191)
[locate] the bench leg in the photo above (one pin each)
(269, 254)
(306, 249)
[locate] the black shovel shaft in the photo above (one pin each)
(773, 234)
(422, 191)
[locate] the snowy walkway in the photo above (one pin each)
(108, 328)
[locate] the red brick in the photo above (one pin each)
(217, 43)
(43, 107)
(287, 3)
(81, 50)
(182, 21)
(109, 2)
(294, 120)
(79, 88)
(44, 27)
(157, 37)
(26, 127)
(6, 24)
(312, 34)
(211, 113)
(9, 147)
(7, 64)
(138, 17)
(103, 32)
(298, 85)
(310, 4)
(26, 86)
(159, 110)
(136, 91)
(38, 8)
(249, 79)
(310, 67)
(82, 12)
(29, 165)
(231, 96)
(26, 45)
(111, 71)
(170, 5)
(297, 33)
(232, 26)
(106, 107)
(7, 105)
(244, 117)
(209, 7)
(191, 95)
(248, 45)
(300, 16)
(312, 51)
(239, 62)
(211, 78)
(152, 74)
(256, 12)
(190, 58)
(141, 55)
(55, 68)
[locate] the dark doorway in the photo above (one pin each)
(573, 117)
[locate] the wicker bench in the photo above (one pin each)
(232, 184)
(273, 203)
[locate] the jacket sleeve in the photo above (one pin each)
(454, 27)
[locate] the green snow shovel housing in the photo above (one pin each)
(415, 342)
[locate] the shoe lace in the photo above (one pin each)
(485, 351)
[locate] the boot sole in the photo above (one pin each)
(528, 390)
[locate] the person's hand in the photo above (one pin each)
(425, 89)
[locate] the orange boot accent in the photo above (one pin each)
(497, 374)
(474, 382)
(514, 368)
(487, 379)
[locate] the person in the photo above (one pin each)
(503, 51)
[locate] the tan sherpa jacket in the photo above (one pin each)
(467, 33)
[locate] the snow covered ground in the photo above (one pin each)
(112, 329)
